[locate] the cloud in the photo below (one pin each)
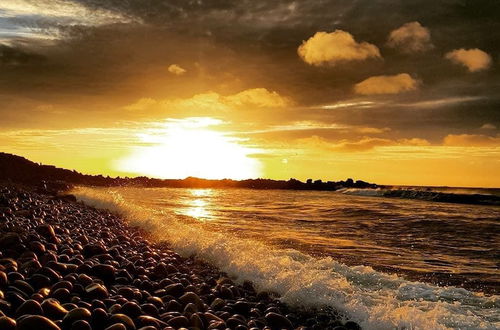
(335, 47)
(488, 126)
(396, 84)
(471, 140)
(361, 145)
(258, 97)
(410, 38)
(46, 18)
(16, 56)
(176, 69)
(473, 59)
(212, 102)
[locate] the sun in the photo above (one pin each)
(190, 147)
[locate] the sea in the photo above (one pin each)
(384, 262)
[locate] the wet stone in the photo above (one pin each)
(123, 319)
(278, 321)
(29, 307)
(104, 272)
(53, 309)
(75, 315)
(6, 323)
(38, 322)
(96, 291)
(179, 322)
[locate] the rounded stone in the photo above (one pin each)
(29, 307)
(278, 321)
(123, 319)
(53, 309)
(6, 323)
(96, 291)
(351, 325)
(179, 322)
(75, 315)
(116, 326)
(104, 272)
(38, 322)
(131, 309)
(81, 325)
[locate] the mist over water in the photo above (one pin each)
(329, 249)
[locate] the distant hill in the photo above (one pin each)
(17, 169)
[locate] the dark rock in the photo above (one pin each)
(117, 326)
(47, 231)
(104, 272)
(96, 291)
(351, 325)
(193, 298)
(9, 240)
(53, 309)
(123, 319)
(29, 307)
(91, 250)
(176, 289)
(61, 294)
(75, 315)
(131, 309)
(99, 318)
(178, 322)
(81, 325)
(6, 323)
(38, 322)
(278, 321)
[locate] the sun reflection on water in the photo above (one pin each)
(198, 207)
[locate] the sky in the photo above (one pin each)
(387, 91)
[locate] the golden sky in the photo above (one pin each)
(384, 91)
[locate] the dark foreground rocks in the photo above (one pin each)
(64, 265)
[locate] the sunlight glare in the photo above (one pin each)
(189, 147)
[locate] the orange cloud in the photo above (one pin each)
(364, 144)
(471, 140)
(473, 59)
(335, 47)
(410, 38)
(176, 69)
(396, 84)
(212, 102)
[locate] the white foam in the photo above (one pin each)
(374, 299)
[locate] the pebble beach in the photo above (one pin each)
(65, 265)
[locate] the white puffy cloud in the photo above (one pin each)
(473, 59)
(395, 84)
(335, 47)
(410, 38)
(176, 69)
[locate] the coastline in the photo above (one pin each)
(67, 265)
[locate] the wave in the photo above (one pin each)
(457, 196)
(374, 299)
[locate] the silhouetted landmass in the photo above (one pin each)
(16, 169)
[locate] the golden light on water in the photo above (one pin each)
(191, 147)
(198, 207)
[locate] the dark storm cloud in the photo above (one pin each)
(12, 56)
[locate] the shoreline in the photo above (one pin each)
(66, 265)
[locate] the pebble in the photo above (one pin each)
(38, 322)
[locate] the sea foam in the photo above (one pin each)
(375, 300)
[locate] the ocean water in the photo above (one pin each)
(387, 263)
